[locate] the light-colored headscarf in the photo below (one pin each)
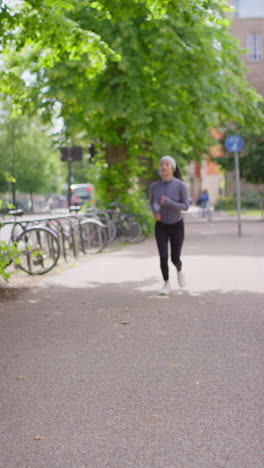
(170, 159)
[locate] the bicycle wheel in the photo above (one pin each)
(93, 236)
(144, 228)
(56, 226)
(70, 238)
(39, 250)
(110, 226)
(129, 229)
(75, 239)
(111, 230)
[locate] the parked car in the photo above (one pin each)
(82, 193)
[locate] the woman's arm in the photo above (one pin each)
(182, 205)
(152, 203)
(151, 198)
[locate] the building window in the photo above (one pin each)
(236, 5)
(255, 47)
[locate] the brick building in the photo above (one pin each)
(248, 27)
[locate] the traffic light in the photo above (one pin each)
(92, 152)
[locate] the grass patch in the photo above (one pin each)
(253, 213)
(10, 292)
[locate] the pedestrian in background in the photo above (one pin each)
(168, 197)
(203, 202)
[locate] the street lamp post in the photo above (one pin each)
(69, 154)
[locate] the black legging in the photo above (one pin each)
(174, 233)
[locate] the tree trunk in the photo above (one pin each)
(115, 178)
(13, 190)
(31, 203)
(150, 176)
(115, 154)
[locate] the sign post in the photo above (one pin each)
(234, 143)
(69, 154)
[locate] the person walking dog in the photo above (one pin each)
(168, 197)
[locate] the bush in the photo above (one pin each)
(249, 200)
(226, 203)
(8, 254)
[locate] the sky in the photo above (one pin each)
(250, 8)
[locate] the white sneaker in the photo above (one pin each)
(166, 289)
(181, 279)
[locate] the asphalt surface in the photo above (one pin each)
(97, 370)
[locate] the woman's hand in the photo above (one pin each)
(163, 200)
(157, 216)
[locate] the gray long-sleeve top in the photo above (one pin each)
(176, 199)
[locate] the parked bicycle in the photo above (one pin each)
(39, 242)
(90, 233)
(130, 227)
(120, 223)
(37, 246)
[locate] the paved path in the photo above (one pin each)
(112, 375)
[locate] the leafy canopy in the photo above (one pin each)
(145, 76)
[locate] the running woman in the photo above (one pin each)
(168, 197)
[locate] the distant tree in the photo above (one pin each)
(3, 183)
(252, 164)
(251, 161)
(37, 168)
(11, 133)
(26, 155)
(5, 180)
(251, 157)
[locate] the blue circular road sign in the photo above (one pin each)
(234, 143)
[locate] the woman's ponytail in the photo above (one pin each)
(177, 173)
